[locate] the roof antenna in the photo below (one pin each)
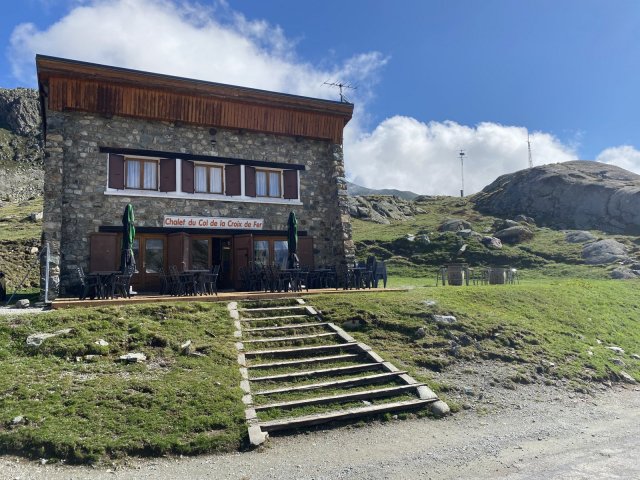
(529, 147)
(341, 85)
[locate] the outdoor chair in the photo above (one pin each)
(121, 283)
(179, 288)
(88, 285)
(210, 280)
(380, 273)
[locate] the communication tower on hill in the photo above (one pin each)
(341, 86)
(461, 155)
(529, 147)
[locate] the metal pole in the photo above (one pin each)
(462, 176)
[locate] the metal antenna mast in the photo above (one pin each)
(341, 85)
(529, 147)
(462, 154)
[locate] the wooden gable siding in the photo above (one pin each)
(168, 105)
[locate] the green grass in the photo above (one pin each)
(547, 254)
(18, 235)
(556, 320)
(84, 409)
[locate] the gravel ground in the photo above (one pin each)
(533, 431)
(22, 311)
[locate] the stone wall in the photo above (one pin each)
(76, 179)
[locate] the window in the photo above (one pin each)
(268, 183)
(261, 252)
(208, 179)
(200, 254)
(281, 252)
(141, 174)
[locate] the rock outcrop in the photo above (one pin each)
(382, 209)
(580, 195)
(19, 111)
(21, 148)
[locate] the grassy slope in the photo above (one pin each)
(547, 254)
(18, 234)
(88, 409)
(559, 321)
(81, 409)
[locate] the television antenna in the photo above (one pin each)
(529, 148)
(341, 86)
(461, 155)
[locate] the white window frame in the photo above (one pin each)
(279, 171)
(209, 166)
(142, 161)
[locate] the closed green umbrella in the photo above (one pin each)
(127, 260)
(292, 240)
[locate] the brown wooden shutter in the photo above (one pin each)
(116, 171)
(290, 180)
(167, 175)
(305, 251)
(187, 176)
(104, 253)
(250, 181)
(232, 180)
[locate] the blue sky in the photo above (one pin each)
(433, 76)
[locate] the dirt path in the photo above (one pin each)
(531, 433)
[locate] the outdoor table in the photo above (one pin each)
(355, 277)
(104, 280)
(290, 279)
(195, 278)
(322, 276)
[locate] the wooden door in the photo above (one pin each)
(242, 256)
(150, 252)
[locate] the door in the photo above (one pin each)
(150, 252)
(221, 255)
(242, 256)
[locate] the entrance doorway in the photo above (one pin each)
(150, 253)
(207, 251)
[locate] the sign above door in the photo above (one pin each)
(185, 221)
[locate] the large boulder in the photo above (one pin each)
(571, 195)
(579, 236)
(515, 234)
(454, 225)
(604, 252)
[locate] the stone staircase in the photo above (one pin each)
(299, 370)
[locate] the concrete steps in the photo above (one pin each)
(281, 390)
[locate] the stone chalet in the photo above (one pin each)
(211, 170)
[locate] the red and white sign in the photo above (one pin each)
(183, 221)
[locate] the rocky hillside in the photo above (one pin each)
(357, 190)
(577, 195)
(382, 208)
(21, 154)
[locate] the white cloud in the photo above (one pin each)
(624, 156)
(184, 39)
(215, 43)
(408, 154)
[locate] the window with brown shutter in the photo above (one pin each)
(290, 181)
(187, 176)
(116, 171)
(249, 181)
(167, 175)
(232, 180)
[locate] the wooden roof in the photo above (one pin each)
(80, 86)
